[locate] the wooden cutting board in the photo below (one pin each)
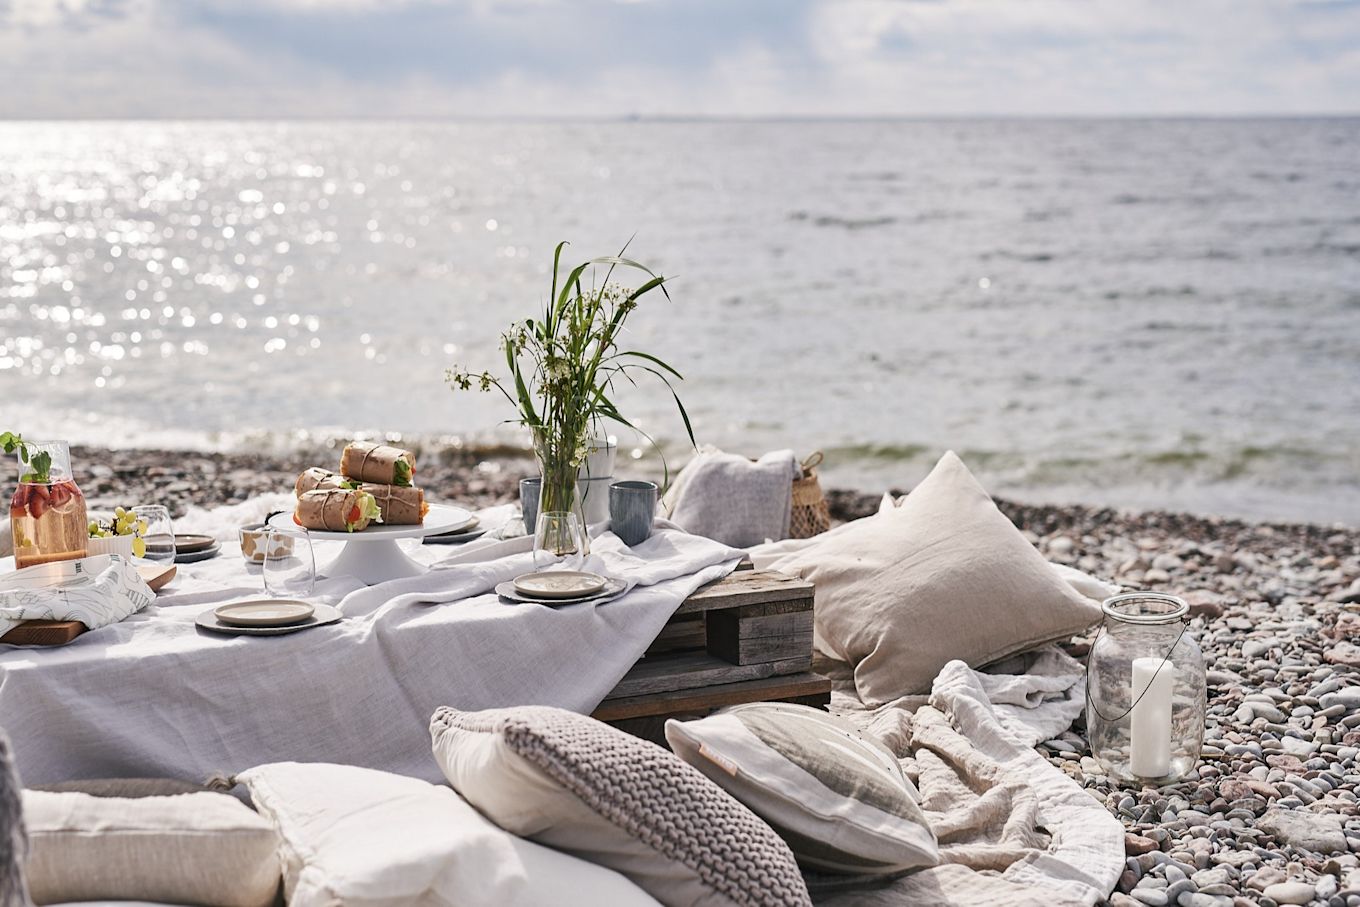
(60, 632)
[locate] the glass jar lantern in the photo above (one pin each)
(1145, 690)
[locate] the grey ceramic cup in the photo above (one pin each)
(528, 500)
(632, 508)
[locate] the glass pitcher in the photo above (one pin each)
(1145, 690)
(47, 518)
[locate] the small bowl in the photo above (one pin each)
(114, 544)
(253, 544)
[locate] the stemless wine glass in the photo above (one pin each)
(159, 534)
(289, 567)
(558, 538)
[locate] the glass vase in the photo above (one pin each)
(47, 519)
(1145, 689)
(559, 495)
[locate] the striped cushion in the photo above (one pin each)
(837, 797)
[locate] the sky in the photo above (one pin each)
(611, 58)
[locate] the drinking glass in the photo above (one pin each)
(160, 532)
(289, 566)
(632, 509)
(557, 537)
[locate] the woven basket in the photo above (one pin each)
(811, 515)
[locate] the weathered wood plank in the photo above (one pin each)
(756, 639)
(687, 632)
(746, 587)
(806, 687)
(758, 649)
(690, 670)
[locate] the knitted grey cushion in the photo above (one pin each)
(577, 784)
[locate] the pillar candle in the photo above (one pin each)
(1150, 726)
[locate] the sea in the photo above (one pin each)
(1135, 313)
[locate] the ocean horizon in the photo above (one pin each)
(1141, 312)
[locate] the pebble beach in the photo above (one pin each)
(1271, 816)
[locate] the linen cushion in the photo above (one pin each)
(942, 576)
(359, 836)
(576, 784)
(837, 797)
(201, 848)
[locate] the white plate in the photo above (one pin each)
(324, 615)
(265, 613)
(559, 584)
(612, 589)
(441, 518)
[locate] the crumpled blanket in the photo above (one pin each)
(734, 500)
(1012, 828)
(97, 591)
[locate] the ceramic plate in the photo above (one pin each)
(612, 589)
(559, 584)
(454, 538)
(325, 614)
(193, 557)
(265, 613)
(188, 544)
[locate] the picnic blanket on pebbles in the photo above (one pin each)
(1012, 828)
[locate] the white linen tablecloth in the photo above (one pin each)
(155, 696)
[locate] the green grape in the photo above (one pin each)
(119, 512)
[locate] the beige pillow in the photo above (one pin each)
(203, 848)
(579, 785)
(838, 797)
(943, 576)
(359, 836)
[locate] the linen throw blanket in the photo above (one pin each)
(1012, 828)
(154, 695)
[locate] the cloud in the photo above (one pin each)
(268, 58)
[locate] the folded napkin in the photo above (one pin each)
(97, 591)
(734, 500)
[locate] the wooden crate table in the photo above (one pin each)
(744, 638)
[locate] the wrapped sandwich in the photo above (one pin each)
(380, 464)
(336, 510)
(399, 506)
(316, 477)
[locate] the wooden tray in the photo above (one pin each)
(60, 632)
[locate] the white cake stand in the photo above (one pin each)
(373, 555)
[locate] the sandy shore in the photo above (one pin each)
(1270, 817)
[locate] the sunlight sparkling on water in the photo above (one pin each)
(1080, 308)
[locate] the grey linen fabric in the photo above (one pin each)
(154, 696)
(732, 499)
(1012, 828)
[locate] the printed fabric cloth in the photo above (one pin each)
(97, 591)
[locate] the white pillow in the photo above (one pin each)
(359, 836)
(202, 848)
(578, 784)
(942, 576)
(836, 796)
